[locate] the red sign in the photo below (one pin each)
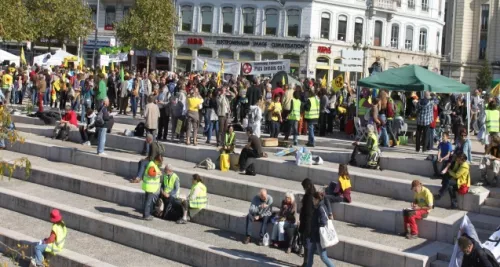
(324, 50)
(108, 27)
(195, 41)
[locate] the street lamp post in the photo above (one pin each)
(94, 61)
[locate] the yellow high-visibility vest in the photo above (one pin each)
(151, 184)
(492, 123)
(201, 199)
(169, 182)
(313, 112)
(61, 231)
(295, 113)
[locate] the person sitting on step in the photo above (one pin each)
(196, 201)
(54, 243)
(260, 210)
(338, 192)
(491, 161)
(422, 204)
(229, 141)
(456, 180)
(284, 226)
(370, 149)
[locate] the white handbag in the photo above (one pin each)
(327, 234)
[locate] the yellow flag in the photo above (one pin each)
(81, 64)
(283, 82)
(323, 81)
(65, 64)
(112, 66)
(338, 83)
(22, 57)
(104, 69)
(219, 79)
(205, 65)
(222, 66)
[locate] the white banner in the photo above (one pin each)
(214, 65)
(265, 67)
(120, 57)
(104, 60)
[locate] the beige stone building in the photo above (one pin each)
(471, 35)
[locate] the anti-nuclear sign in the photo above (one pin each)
(265, 67)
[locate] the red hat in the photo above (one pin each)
(55, 216)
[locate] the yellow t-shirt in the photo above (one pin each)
(424, 198)
(7, 80)
(277, 110)
(194, 103)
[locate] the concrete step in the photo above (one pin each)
(492, 202)
(192, 244)
(484, 221)
(367, 210)
(388, 183)
(401, 159)
(489, 210)
(80, 249)
(439, 263)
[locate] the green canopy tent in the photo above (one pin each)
(283, 76)
(494, 83)
(413, 78)
(416, 78)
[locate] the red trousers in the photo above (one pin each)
(412, 220)
(40, 101)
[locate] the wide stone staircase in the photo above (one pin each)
(103, 210)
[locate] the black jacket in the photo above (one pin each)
(306, 214)
(477, 258)
(254, 95)
(319, 219)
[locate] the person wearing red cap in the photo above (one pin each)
(55, 242)
(422, 204)
(151, 184)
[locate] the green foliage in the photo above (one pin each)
(15, 21)
(150, 25)
(62, 20)
(114, 50)
(484, 77)
(8, 167)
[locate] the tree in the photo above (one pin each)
(15, 21)
(483, 79)
(12, 136)
(62, 20)
(149, 26)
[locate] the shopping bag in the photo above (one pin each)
(317, 160)
(178, 127)
(265, 240)
(225, 164)
(327, 234)
(403, 140)
(303, 158)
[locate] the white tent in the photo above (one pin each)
(4, 55)
(52, 60)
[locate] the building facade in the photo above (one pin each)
(311, 33)
(472, 35)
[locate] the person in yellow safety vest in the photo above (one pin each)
(492, 120)
(196, 201)
(370, 149)
(170, 187)
(294, 117)
(364, 104)
(311, 116)
(229, 141)
(151, 183)
(54, 243)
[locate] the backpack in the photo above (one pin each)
(161, 148)
(140, 129)
(250, 170)
(206, 164)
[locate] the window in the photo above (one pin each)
(226, 54)
(409, 38)
(227, 19)
(422, 40)
(395, 36)
(358, 30)
(342, 30)
(269, 56)
(247, 55)
(294, 59)
(126, 10)
(425, 5)
(437, 43)
(324, 61)
(206, 18)
(483, 36)
(94, 13)
(411, 4)
(377, 40)
(186, 18)
(109, 19)
(184, 52)
(248, 20)
(205, 53)
(325, 26)
(293, 22)
(271, 21)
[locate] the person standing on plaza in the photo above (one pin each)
(424, 119)
(286, 102)
(319, 219)
(134, 97)
(101, 124)
(163, 103)
(305, 215)
(294, 117)
(41, 86)
(194, 102)
(112, 89)
(311, 116)
(102, 90)
(223, 110)
(125, 90)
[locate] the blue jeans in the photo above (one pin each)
(294, 130)
(142, 167)
(212, 125)
(313, 246)
(275, 129)
(101, 139)
(263, 226)
(383, 131)
(46, 98)
(149, 200)
(206, 117)
(38, 251)
(83, 111)
(310, 133)
(133, 103)
(34, 96)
